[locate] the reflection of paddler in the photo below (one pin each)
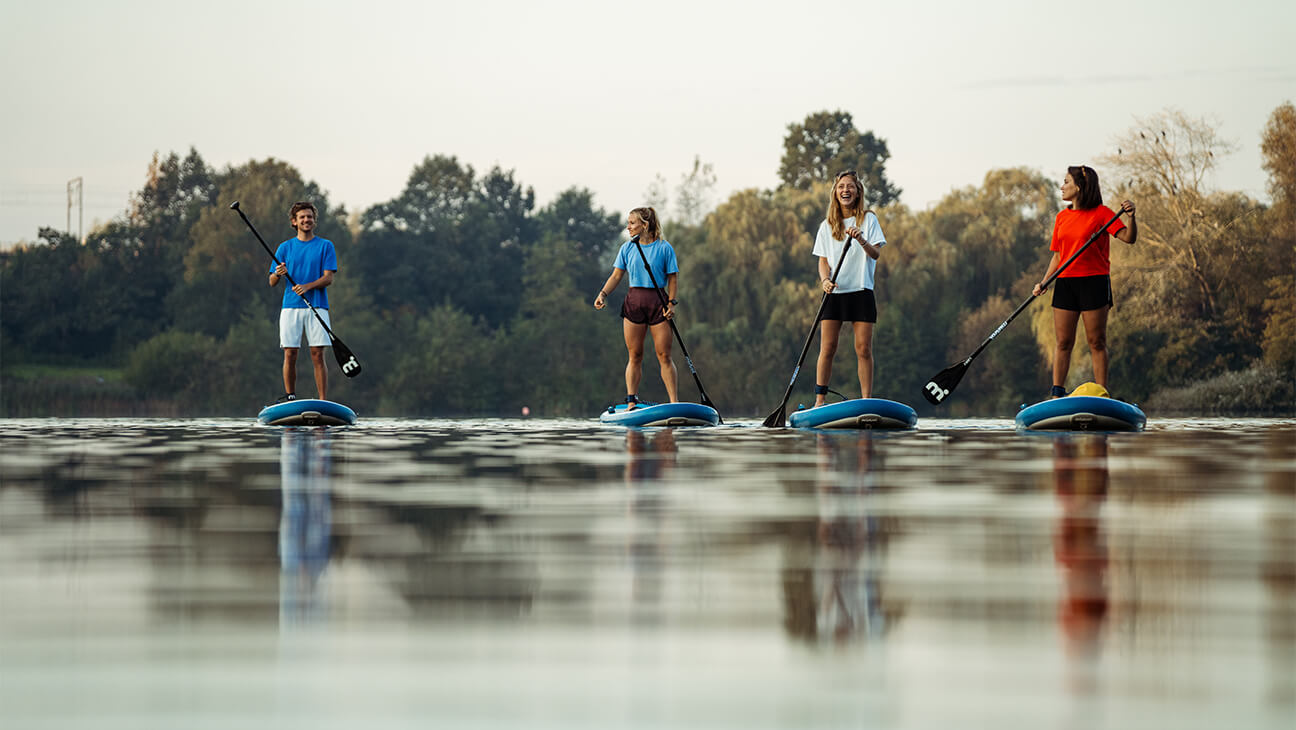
(1079, 546)
(844, 597)
(648, 459)
(305, 522)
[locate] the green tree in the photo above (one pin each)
(827, 143)
(449, 237)
(448, 368)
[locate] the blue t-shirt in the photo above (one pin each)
(307, 261)
(660, 255)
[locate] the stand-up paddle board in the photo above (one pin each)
(307, 412)
(661, 414)
(1081, 413)
(864, 413)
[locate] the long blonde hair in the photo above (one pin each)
(836, 216)
(649, 217)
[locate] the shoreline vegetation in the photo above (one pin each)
(464, 298)
(81, 392)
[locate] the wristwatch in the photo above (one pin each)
(674, 301)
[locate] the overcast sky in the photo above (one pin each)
(606, 95)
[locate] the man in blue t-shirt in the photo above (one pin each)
(311, 262)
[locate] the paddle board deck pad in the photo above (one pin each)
(861, 413)
(1081, 413)
(661, 414)
(307, 412)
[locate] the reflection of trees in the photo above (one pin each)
(830, 584)
(1279, 567)
(1079, 544)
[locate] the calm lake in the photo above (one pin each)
(563, 574)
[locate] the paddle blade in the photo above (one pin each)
(777, 419)
(944, 383)
(345, 359)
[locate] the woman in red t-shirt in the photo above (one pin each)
(1083, 289)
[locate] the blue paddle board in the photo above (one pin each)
(1081, 413)
(864, 413)
(306, 412)
(661, 414)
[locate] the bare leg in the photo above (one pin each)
(321, 372)
(290, 370)
(1064, 330)
(634, 342)
(829, 330)
(1095, 322)
(662, 344)
(864, 354)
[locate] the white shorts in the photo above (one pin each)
(293, 323)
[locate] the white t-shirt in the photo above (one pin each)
(857, 270)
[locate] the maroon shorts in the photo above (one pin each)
(643, 306)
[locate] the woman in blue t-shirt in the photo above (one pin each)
(643, 310)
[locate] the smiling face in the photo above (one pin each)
(847, 192)
(304, 221)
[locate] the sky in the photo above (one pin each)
(606, 95)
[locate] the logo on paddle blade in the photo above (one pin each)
(937, 393)
(350, 365)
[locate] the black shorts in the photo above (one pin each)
(1082, 293)
(856, 306)
(643, 305)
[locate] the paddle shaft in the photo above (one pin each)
(1044, 286)
(823, 303)
(661, 294)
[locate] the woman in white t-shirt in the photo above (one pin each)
(850, 299)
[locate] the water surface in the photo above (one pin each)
(531, 573)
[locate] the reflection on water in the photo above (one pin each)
(305, 522)
(834, 593)
(563, 574)
(1079, 547)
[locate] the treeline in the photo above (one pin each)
(461, 297)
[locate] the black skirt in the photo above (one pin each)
(856, 306)
(1082, 293)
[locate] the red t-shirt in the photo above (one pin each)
(1070, 231)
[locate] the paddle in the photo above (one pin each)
(944, 382)
(345, 359)
(778, 418)
(661, 294)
